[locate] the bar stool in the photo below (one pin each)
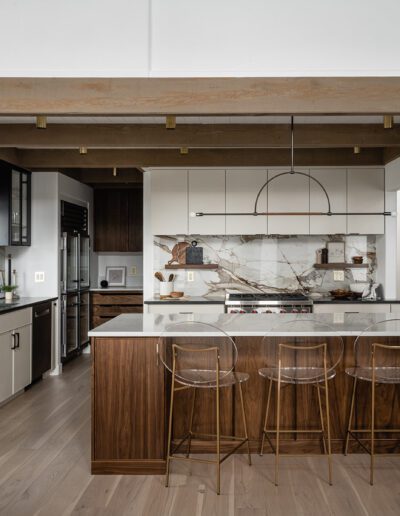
(300, 352)
(201, 356)
(377, 360)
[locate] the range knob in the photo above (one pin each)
(254, 312)
(242, 311)
(233, 311)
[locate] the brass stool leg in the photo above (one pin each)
(266, 418)
(328, 424)
(322, 417)
(244, 422)
(218, 443)
(371, 480)
(278, 414)
(346, 447)
(191, 421)
(171, 408)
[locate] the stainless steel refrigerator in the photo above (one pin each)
(75, 299)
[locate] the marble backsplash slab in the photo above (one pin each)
(264, 264)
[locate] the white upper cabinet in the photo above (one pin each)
(207, 194)
(334, 182)
(169, 202)
(366, 193)
(242, 187)
(289, 193)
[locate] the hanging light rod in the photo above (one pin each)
(292, 171)
(293, 213)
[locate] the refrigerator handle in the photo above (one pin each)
(78, 261)
(64, 326)
(64, 262)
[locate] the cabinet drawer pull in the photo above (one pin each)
(42, 313)
(13, 345)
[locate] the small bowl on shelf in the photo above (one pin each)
(177, 294)
(357, 260)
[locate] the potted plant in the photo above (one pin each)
(8, 289)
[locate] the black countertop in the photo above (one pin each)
(22, 302)
(198, 300)
(355, 301)
(195, 300)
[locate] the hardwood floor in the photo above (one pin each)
(45, 470)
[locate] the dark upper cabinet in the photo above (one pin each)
(15, 205)
(118, 220)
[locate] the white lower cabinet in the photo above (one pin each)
(335, 308)
(6, 368)
(15, 352)
(174, 308)
(22, 358)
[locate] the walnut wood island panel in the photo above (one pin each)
(130, 393)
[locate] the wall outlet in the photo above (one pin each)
(338, 275)
(190, 276)
(39, 277)
(132, 271)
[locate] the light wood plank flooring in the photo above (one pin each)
(44, 470)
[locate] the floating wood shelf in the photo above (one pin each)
(192, 266)
(340, 266)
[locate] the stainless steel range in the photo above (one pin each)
(258, 303)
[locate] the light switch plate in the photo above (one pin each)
(338, 275)
(190, 276)
(39, 277)
(338, 318)
(133, 271)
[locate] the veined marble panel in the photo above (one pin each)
(265, 264)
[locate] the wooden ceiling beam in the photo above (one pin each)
(139, 158)
(200, 96)
(141, 136)
(96, 176)
(390, 154)
(10, 155)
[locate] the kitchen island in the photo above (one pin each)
(130, 394)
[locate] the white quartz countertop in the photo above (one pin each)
(252, 325)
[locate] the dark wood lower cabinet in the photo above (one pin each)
(131, 400)
(128, 411)
(106, 306)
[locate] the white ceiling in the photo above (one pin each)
(199, 120)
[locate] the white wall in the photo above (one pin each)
(42, 255)
(391, 247)
(127, 260)
(193, 38)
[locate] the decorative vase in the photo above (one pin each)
(166, 287)
(9, 296)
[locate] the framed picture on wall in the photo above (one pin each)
(116, 276)
(335, 252)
